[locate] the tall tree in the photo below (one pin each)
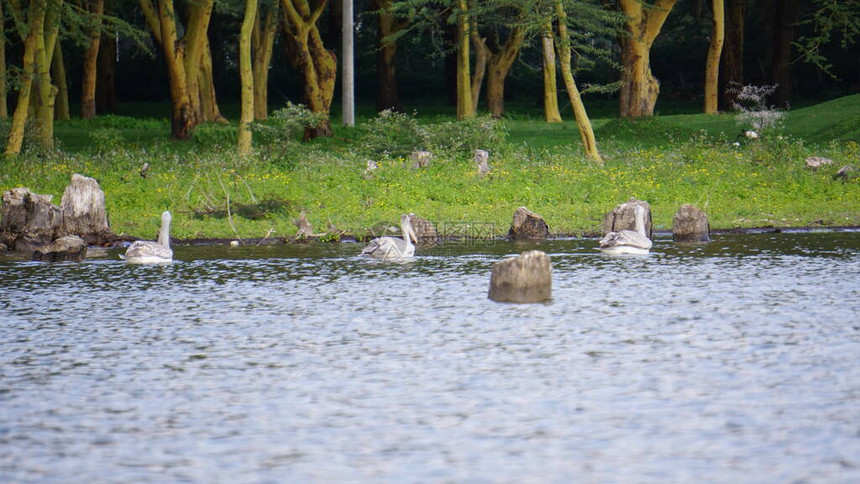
(550, 87)
(58, 74)
(388, 26)
(317, 64)
(465, 108)
(781, 18)
(639, 87)
(715, 49)
(183, 58)
(91, 55)
(262, 46)
(246, 74)
(732, 63)
(502, 55)
(583, 123)
(32, 29)
(4, 109)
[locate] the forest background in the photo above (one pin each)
(121, 65)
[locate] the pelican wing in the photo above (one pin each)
(388, 247)
(625, 238)
(147, 252)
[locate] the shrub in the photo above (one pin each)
(753, 111)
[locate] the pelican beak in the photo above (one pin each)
(412, 235)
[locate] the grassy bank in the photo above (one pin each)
(667, 161)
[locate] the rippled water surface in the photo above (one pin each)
(736, 361)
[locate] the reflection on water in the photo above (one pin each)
(731, 361)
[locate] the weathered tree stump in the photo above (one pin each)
(526, 278)
(690, 225)
(482, 158)
(425, 232)
(28, 220)
(528, 225)
(68, 248)
(84, 212)
(623, 217)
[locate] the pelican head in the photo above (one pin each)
(408, 230)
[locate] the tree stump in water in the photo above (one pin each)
(68, 248)
(623, 217)
(425, 232)
(84, 212)
(690, 225)
(28, 220)
(528, 225)
(526, 278)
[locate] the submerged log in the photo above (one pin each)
(623, 217)
(526, 278)
(84, 212)
(68, 248)
(690, 225)
(528, 225)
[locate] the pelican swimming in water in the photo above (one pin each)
(628, 241)
(392, 247)
(149, 252)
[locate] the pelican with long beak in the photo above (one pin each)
(628, 241)
(149, 252)
(392, 247)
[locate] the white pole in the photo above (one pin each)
(348, 74)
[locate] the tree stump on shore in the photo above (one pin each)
(623, 217)
(528, 225)
(526, 278)
(84, 212)
(690, 225)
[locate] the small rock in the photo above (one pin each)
(690, 225)
(526, 278)
(420, 159)
(68, 248)
(528, 225)
(847, 172)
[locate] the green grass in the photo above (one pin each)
(666, 160)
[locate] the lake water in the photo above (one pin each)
(735, 361)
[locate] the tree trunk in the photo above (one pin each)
(36, 27)
(583, 123)
(499, 65)
(712, 66)
(262, 45)
(4, 108)
(246, 74)
(732, 67)
(639, 87)
(387, 96)
(480, 45)
(785, 16)
(47, 93)
(105, 86)
(550, 88)
(464, 76)
(58, 73)
(90, 61)
(209, 109)
(317, 64)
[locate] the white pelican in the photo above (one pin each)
(628, 241)
(392, 247)
(149, 252)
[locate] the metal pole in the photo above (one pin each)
(348, 74)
